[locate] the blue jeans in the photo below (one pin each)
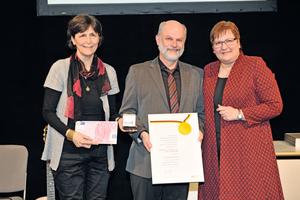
(83, 176)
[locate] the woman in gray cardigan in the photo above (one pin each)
(79, 88)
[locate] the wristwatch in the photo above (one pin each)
(240, 116)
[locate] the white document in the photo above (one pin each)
(103, 132)
(176, 152)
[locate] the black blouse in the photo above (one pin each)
(218, 101)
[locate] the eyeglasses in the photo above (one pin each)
(228, 42)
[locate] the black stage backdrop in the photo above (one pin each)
(30, 44)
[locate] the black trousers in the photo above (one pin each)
(83, 176)
(143, 189)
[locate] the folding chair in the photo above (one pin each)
(13, 170)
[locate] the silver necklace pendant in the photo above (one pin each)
(87, 88)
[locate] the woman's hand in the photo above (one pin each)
(79, 139)
(228, 113)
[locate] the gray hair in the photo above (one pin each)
(162, 25)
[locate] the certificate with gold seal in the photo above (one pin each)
(176, 152)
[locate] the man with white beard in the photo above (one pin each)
(162, 85)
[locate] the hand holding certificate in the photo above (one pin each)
(176, 152)
(103, 132)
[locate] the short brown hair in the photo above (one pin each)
(223, 27)
(81, 23)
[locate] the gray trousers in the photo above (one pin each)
(143, 189)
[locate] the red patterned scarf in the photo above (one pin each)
(97, 73)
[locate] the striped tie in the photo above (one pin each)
(172, 92)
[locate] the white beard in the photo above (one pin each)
(167, 55)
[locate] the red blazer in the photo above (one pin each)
(248, 166)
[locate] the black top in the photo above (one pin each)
(92, 108)
(218, 101)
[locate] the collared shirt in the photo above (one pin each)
(165, 76)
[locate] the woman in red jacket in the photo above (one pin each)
(241, 95)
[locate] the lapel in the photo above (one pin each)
(233, 84)
(155, 73)
(185, 79)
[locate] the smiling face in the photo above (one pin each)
(86, 43)
(170, 41)
(227, 54)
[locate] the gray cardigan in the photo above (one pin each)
(57, 80)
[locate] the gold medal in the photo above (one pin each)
(87, 88)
